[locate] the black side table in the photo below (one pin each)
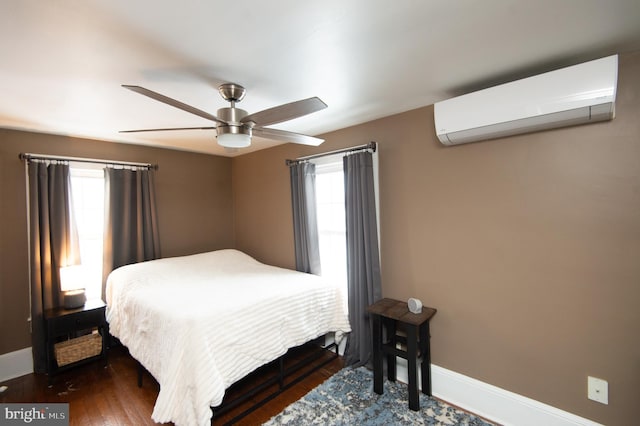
(395, 317)
(65, 324)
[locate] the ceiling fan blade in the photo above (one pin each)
(285, 112)
(165, 129)
(174, 103)
(283, 135)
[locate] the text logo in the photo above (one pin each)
(34, 414)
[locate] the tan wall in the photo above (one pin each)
(194, 202)
(528, 246)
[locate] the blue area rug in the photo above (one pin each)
(347, 398)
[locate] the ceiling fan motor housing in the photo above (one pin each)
(232, 117)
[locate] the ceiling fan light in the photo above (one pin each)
(234, 140)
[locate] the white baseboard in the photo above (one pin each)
(493, 403)
(15, 364)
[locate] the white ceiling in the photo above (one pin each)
(62, 62)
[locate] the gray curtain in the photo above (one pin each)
(54, 244)
(363, 260)
(131, 223)
(305, 219)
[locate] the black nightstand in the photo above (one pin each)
(393, 316)
(76, 336)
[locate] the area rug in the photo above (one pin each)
(347, 398)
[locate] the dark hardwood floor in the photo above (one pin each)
(99, 395)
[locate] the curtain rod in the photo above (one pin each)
(29, 156)
(371, 145)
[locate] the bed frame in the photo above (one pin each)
(293, 373)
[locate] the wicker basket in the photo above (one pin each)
(77, 349)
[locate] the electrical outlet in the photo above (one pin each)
(598, 390)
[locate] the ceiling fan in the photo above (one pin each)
(234, 126)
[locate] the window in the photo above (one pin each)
(331, 219)
(87, 189)
(332, 233)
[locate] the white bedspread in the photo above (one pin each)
(199, 323)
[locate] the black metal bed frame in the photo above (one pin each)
(279, 378)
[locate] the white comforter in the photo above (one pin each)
(199, 323)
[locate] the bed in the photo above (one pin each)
(200, 323)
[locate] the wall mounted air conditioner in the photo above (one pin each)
(577, 94)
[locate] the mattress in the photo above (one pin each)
(200, 323)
